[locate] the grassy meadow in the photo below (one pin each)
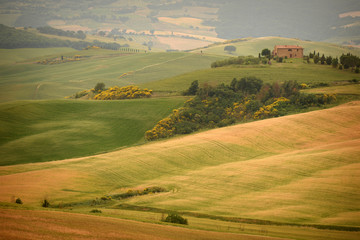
(38, 131)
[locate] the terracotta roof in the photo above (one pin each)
(288, 46)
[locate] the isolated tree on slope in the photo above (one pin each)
(230, 49)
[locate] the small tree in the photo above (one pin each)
(45, 203)
(316, 59)
(100, 87)
(322, 59)
(18, 201)
(230, 49)
(335, 62)
(266, 52)
(329, 60)
(194, 87)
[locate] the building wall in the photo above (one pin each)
(289, 52)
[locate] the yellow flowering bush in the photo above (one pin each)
(270, 110)
(163, 129)
(128, 92)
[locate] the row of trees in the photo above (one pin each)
(54, 31)
(346, 61)
(242, 100)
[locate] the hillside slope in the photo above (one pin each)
(300, 168)
(30, 81)
(253, 46)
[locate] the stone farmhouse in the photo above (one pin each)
(289, 51)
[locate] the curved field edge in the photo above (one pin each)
(18, 224)
(39, 131)
(299, 169)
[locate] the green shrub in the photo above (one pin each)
(175, 218)
(18, 201)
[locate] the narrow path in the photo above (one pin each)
(37, 91)
(152, 65)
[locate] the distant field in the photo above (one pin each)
(11, 56)
(299, 169)
(253, 46)
(277, 72)
(35, 81)
(38, 131)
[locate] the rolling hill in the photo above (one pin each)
(253, 46)
(30, 81)
(300, 169)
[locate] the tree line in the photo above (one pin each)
(345, 61)
(11, 38)
(58, 32)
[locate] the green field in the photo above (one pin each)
(253, 46)
(31, 81)
(38, 131)
(277, 72)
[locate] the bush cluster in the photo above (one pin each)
(128, 92)
(244, 99)
(95, 211)
(175, 218)
(61, 60)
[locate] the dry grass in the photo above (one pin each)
(56, 225)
